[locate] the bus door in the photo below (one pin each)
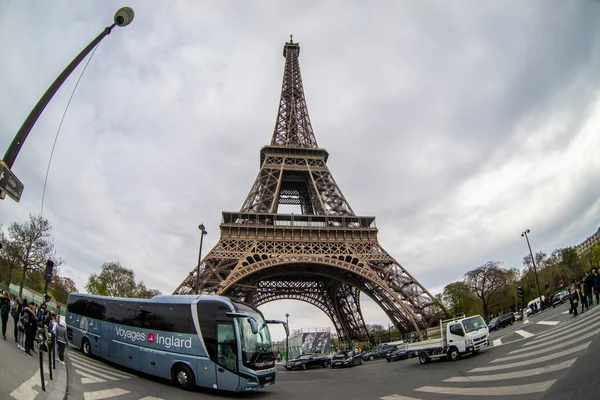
(227, 378)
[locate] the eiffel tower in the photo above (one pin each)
(325, 256)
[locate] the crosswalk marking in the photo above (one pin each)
(393, 397)
(514, 375)
(534, 360)
(551, 323)
(88, 377)
(545, 349)
(497, 342)
(155, 398)
(523, 333)
(104, 394)
(101, 368)
(108, 374)
(26, 391)
(559, 339)
(568, 328)
(488, 391)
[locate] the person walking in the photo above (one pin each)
(588, 282)
(597, 286)
(4, 311)
(15, 312)
(61, 338)
(583, 296)
(30, 323)
(574, 300)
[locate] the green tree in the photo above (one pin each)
(117, 281)
(459, 299)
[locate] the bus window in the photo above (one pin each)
(226, 348)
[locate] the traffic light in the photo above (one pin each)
(521, 291)
(47, 298)
(48, 272)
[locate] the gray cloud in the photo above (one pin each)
(456, 126)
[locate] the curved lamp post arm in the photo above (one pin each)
(123, 17)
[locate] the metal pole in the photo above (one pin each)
(287, 343)
(54, 351)
(49, 361)
(202, 233)
(21, 136)
(534, 269)
(42, 369)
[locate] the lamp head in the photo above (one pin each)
(287, 315)
(124, 16)
(202, 228)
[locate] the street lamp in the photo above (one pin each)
(287, 342)
(123, 17)
(524, 234)
(202, 233)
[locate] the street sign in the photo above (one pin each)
(10, 184)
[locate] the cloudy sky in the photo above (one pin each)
(458, 125)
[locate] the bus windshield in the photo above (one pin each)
(256, 348)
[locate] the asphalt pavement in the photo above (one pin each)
(20, 374)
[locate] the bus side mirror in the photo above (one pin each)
(285, 325)
(253, 325)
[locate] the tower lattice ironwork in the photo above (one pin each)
(327, 255)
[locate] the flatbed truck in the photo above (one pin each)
(457, 336)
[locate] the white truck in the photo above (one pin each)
(456, 337)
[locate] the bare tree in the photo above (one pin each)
(486, 280)
(29, 245)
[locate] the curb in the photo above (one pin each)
(60, 387)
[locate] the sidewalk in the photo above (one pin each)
(20, 374)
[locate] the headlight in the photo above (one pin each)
(469, 342)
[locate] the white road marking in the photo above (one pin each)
(26, 391)
(534, 360)
(545, 349)
(569, 328)
(108, 374)
(548, 341)
(551, 323)
(94, 363)
(514, 375)
(497, 342)
(523, 333)
(564, 312)
(104, 394)
(158, 398)
(392, 397)
(89, 377)
(490, 391)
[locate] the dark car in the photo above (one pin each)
(506, 319)
(398, 353)
(493, 325)
(348, 358)
(308, 361)
(379, 352)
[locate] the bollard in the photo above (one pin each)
(54, 351)
(42, 368)
(49, 362)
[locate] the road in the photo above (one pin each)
(539, 360)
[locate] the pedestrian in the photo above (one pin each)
(30, 323)
(21, 326)
(583, 296)
(574, 300)
(14, 313)
(597, 286)
(588, 282)
(4, 311)
(61, 338)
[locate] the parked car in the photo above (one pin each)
(398, 353)
(560, 298)
(379, 352)
(506, 319)
(348, 358)
(306, 361)
(493, 325)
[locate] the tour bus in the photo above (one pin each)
(204, 340)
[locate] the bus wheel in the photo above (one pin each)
(183, 377)
(86, 348)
